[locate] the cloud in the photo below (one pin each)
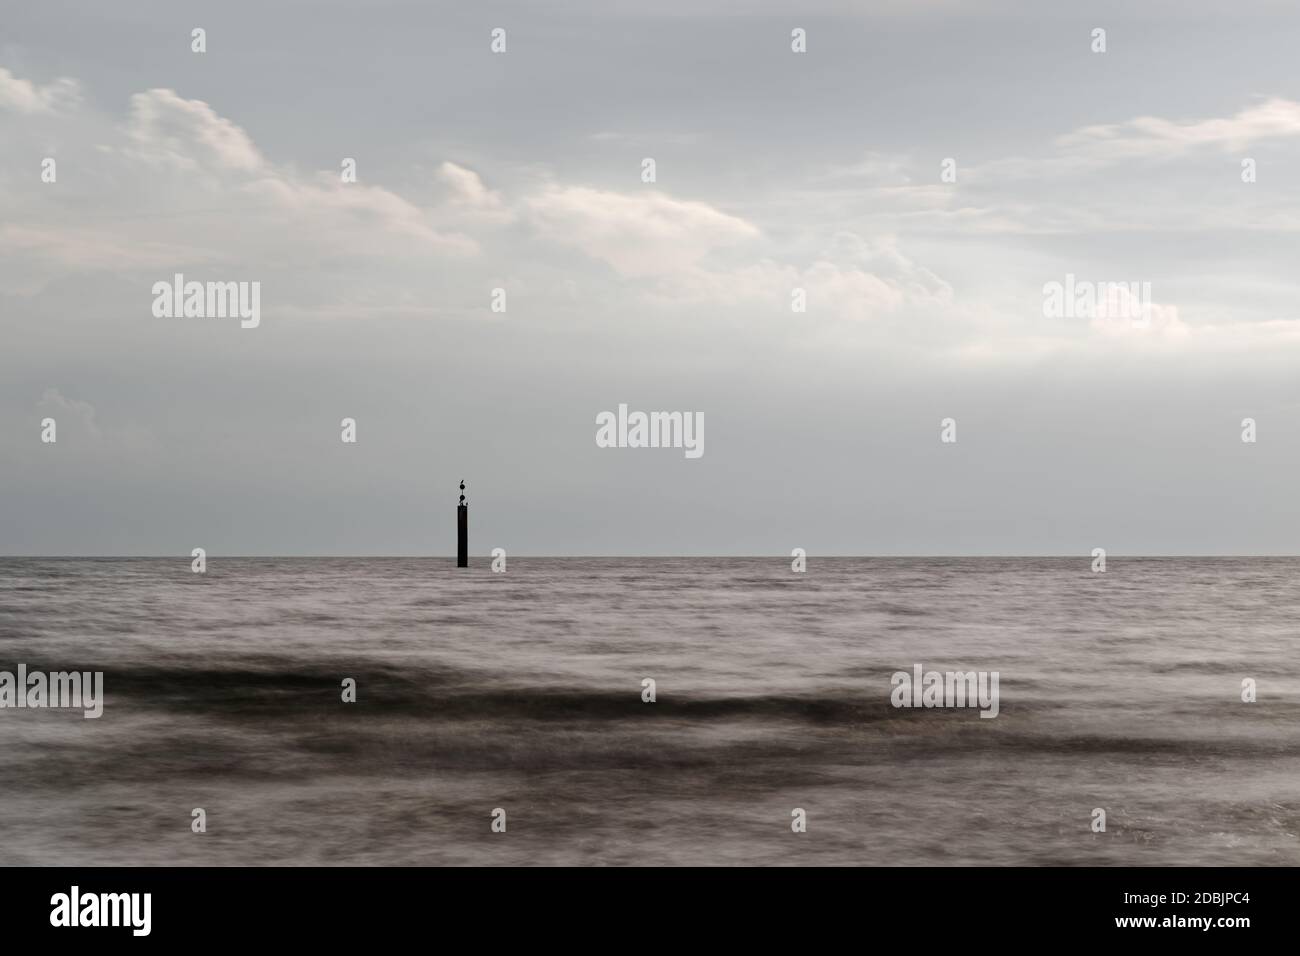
(165, 128)
(467, 186)
(323, 211)
(24, 96)
(1127, 314)
(638, 235)
(179, 186)
(1151, 136)
(176, 183)
(1069, 186)
(851, 278)
(469, 200)
(69, 413)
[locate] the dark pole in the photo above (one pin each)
(462, 530)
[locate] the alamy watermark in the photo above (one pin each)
(1076, 299)
(76, 908)
(208, 300)
(57, 690)
(651, 430)
(951, 689)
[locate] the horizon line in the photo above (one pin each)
(659, 556)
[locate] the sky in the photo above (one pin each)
(774, 171)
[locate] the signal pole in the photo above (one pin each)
(462, 530)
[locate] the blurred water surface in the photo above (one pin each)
(523, 691)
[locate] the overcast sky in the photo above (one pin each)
(775, 171)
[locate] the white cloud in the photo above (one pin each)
(165, 128)
(24, 96)
(1128, 315)
(177, 182)
(1072, 186)
(469, 201)
(639, 235)
(1151, 136)
(851, 278)
(467, 186)
(69, 413)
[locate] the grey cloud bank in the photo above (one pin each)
(775, 171)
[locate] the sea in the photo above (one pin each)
(504, 719)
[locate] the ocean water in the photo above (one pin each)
(522, 691)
